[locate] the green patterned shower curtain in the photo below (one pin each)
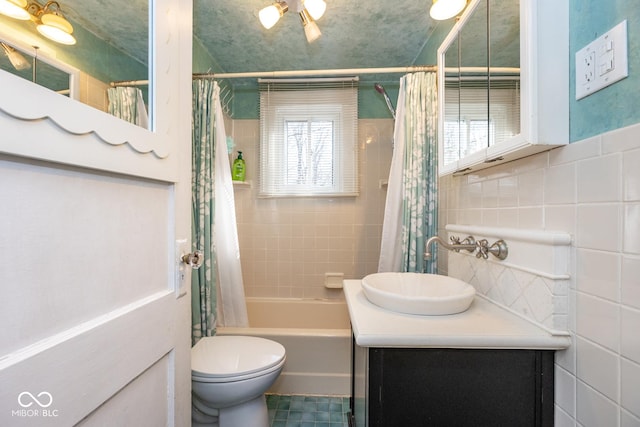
(127, 103)
(203, 280)
(411, 213)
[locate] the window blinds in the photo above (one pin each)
(308, 137)
(479, 116)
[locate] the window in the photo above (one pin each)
(308, 138)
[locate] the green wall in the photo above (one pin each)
(202, 60)
(617, 105)
(371, 104)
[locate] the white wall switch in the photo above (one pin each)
(602, 62)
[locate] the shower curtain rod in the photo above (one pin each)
(293, 73)
(329, 72)
(308, 73)
(130, 83)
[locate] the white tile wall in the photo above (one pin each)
(93, 92)
(628, 420)
(630, 374)
(595, 366)
(594, 409)
(630, 286)
(598, 273)
(590, 189)
(287, 245)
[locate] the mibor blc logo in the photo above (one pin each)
(35, 405)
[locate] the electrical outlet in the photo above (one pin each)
(588, 73)
(602, 62)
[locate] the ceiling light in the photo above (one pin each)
(52, 24)
(311, 30)
(270, 15)
(316, 8)
(15, 9)
(309, 11)
(18, 61)
(445, 9)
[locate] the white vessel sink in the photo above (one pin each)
(416, 293)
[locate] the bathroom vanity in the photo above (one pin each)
(483, 367)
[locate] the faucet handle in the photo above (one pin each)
(483, 249)
(498, 249)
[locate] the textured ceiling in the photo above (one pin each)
(355, 34)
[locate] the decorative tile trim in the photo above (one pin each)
(534, 279)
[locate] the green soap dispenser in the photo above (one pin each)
(238, 169)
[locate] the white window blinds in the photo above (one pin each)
(477, 116)
(308, 134)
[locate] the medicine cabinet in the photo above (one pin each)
(503, 83)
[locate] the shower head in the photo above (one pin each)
(380, 89)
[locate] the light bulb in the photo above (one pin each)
(445, 9)
(18, 61)
(56, 28)
(270, 15)
(316, 8)
(312, 32)
(14, 9)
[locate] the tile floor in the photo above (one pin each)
(307, 411)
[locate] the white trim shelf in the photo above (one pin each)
(241, 184)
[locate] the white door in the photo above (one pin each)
(94, 323)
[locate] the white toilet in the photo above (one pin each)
(229, 376)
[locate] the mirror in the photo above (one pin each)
(480, 63)
(451, 129)
(112, 46)
(474, 122)
(504, 74)
(28, 66)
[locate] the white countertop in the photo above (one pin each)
(484, 325)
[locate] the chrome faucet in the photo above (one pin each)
(468, 244)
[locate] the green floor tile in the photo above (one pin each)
(307, 411)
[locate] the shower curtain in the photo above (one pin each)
(410, 216)
(217, 291)
(127, 103)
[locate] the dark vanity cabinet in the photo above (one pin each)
(451, 387)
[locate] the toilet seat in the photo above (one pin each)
(234, 358)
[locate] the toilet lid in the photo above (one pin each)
(230, 356)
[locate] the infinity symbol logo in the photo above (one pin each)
(45, 404)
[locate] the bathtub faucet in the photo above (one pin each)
(468, 244)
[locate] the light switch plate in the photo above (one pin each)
(602, 62)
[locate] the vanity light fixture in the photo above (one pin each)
(49, 19)
(15, 9)
(51, 23)
(309, 11)
(445, 9)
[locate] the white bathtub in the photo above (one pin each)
(317, 337)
